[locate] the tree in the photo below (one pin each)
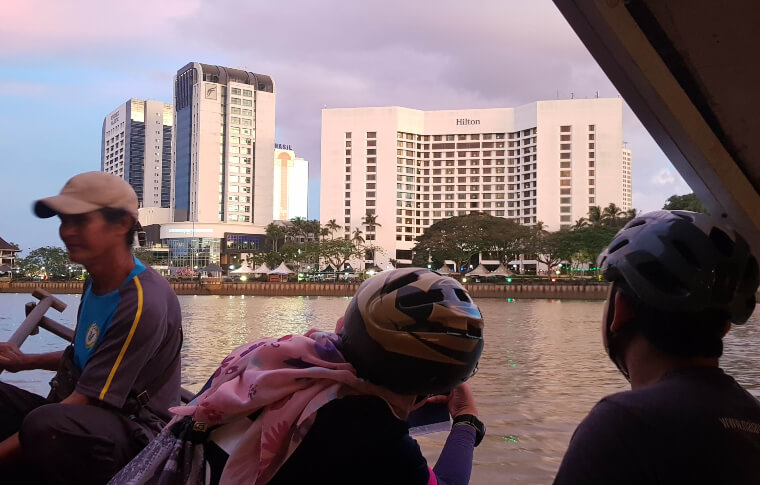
(275, 233)
(370, 222)
(582, 222)
(297, 230)
(337, 252)
(547, 246)
(583, 245)
(611, 215)
(687, 202)
(507, 238)
(357, 237)
(51, 261)
(457, 238)
(332, 226)
(595, 215)
(150, 258)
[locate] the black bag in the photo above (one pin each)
(65, 380)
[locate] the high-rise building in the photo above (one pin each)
(547, 161)
(290, 184)
(136, 145)
(223, 145)
(627, 179)
(223, 164)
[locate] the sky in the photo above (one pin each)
(65, 65)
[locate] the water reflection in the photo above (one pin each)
(542, 369)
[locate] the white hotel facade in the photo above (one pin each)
(546, 161)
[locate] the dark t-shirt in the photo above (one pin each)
(694, 426)
(134, 346)
(349, 438)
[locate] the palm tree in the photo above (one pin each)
(611, 214)
(630, 214)
(582, 222)
(298, 228)
(595, 216)
(313, 230)
(324, 232)
(275, 233)
(333, 226)
(357, 237)
(370, 222)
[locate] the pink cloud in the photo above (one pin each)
(41, 26)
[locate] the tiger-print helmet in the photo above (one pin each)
(413, 331)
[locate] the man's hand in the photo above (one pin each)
(11, 358)
(460, 401)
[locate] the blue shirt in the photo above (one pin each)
(95, 316)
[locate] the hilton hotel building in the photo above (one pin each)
(545, 161)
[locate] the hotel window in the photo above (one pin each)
(235, 100)
(566, 137)
(564, 129)
(235, 91)
(591, 127)
(348, 134)
(371, 134)
(247, 92)
(247, 102)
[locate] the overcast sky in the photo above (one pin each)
(65, 65)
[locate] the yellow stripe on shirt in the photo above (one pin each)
(128, 340)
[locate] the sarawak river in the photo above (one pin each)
(542, 369)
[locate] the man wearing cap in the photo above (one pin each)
(115, 383)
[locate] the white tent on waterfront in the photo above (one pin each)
(281, 269)
(480, 270)
(243, 269)
(501, 271)
(445, 269)
(263, 269)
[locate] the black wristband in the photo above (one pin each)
(472, 421)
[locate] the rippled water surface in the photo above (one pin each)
(543, 366)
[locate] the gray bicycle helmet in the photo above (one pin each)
(413, 331)
(681, 261)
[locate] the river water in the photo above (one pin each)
(542, 369)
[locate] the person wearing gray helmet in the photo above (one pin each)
(678, 281)
(115, 383)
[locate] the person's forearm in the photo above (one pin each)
(454, 465)
(10, 451)
(48, 361)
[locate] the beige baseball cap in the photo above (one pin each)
(89, 192)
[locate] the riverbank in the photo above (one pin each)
(568, 290)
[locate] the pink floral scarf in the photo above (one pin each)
(287, 380)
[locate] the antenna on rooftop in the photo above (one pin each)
(572, 95)
(597, 94)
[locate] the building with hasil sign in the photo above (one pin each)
(290, 184)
